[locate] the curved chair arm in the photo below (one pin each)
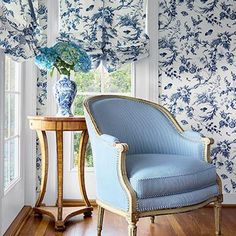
(202, 142)
(112, 185)
(109, 139)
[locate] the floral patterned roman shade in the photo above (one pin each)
(111, 31)
(20, 31)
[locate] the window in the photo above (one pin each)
(95, 83)
(11, 122)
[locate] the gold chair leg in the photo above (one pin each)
(217, 209)
(132, 229)
(100, 219)
(152, 218)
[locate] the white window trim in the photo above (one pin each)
(1, 136)
(20, 167)
(28, 136)
(146, 70)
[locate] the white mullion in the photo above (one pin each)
(12, 92)
(8, 97)
(97, 93)
(2, 89)
(11, 138)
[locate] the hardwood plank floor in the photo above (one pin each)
(195, 223)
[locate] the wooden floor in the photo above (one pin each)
(196, 223)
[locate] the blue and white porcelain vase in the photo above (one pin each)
(64, 93)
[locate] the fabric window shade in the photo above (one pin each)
(111, 31)
(20, 33)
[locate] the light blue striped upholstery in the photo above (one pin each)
(165, 167)
(178, 200)
(144, 128)
(155, 175)
(105, 157)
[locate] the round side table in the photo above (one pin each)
(42, 124)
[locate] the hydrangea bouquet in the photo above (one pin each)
(65, 57)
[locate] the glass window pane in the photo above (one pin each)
(12, 73)
(78, 105)
(7, 74)
(7, 116)
(11, 115)
(88, 154)
(96, 83)
(6, 160)
(118, 81)
(88, 82)
(11, 162)
(11, 121)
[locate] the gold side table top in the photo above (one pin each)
(42, 124)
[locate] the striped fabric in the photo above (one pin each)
(144, 128)
(178, 200)
(154, 175)
(166, 167)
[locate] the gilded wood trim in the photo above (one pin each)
(79, 202)
(81, 163)
(55, 118)
(112, 209)
(123, 149)
(18, 223)
(218, 217)
(100, 220)
(176, 210)
(59, 142)
(44, 158)
(59, 124)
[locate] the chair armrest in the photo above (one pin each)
(109, 139)
(192, 135)
(109, 161)
(112, 185)
(198, 145)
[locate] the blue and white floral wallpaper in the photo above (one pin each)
(197, 73)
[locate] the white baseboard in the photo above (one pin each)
(229, 198)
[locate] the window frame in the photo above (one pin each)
(17, 136)
(70, 137)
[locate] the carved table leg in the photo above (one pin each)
(81, 163)
(59, 225)
(44, 156)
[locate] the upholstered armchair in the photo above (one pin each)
(145, 164)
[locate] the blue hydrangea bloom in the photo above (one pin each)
(69, 53)
(46, 59)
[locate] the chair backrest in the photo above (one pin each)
(145, 127)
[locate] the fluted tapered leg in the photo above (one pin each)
(100, 220)
(132, 229)
(218, 219)
(152, 218)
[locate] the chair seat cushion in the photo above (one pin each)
(177, 200)
(156, 175)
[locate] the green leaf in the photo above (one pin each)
(51, 71)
